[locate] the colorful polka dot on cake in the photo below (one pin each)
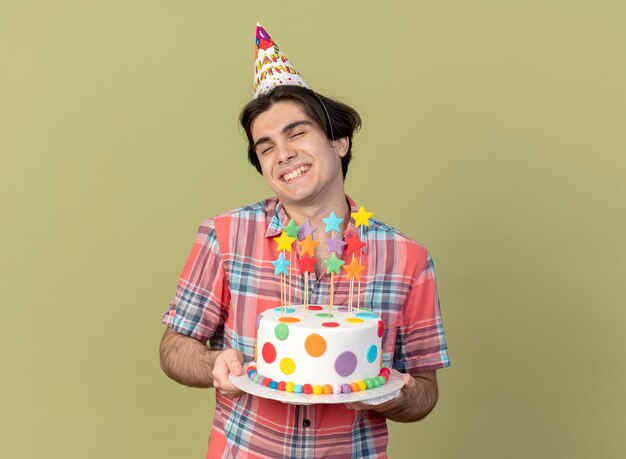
(345, 364)
(281, 331)
(354, 320)
(372, 353)
(287, 366)
(325, 315)
(269, 352)
(315, 345)
(366, 315)
(289, 320)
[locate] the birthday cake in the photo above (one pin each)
(312, 349)
(309, 350)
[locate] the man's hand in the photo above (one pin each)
(191, 363)
(417, 398)
(228, 361)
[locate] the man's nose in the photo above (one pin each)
(285, 152)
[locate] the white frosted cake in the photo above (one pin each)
(308, 351)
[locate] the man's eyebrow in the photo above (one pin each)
(286, 129)
(295, 124)
(259, 142)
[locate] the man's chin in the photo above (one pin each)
(296, 196)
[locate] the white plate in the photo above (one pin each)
(376, 396)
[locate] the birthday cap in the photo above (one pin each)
(271, 67)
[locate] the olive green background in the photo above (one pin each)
(493, 134)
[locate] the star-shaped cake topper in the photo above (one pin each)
(281, 264)
(306, 230)
(284, 241)
(362, 217)
(354, 270)
(335, 244)
(332, 222)
(292, 229)
(354, 244)
(306, 264)
(308, 245)
(333, 264)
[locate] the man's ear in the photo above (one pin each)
(341, 146)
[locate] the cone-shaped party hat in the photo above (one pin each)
(271, 67)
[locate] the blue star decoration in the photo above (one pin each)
(332, 222)
(280, 265)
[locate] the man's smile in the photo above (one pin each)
(295, 173)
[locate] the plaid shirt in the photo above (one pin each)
(228, 280)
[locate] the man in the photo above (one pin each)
(301, 143)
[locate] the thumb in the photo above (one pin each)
(234, 361)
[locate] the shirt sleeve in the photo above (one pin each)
(200, 305)
(420, 341)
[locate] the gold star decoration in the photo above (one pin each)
(284, 242)
(362, 217)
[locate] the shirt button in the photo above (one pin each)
(306, 423)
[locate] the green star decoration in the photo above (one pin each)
(292, 229)
(333, 264)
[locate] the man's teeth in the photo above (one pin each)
(292, 175)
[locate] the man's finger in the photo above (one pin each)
(233, 360)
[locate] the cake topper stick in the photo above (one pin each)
(307, 245)
(291, 229)
(333, 264)
(282, 295)
(306, 262)
(354, 247)
(353, 271)
(306, 290)
(290, 261)
(284, 242)
(358, 296)
(280, 269)
(332, 295)
(361, 218)
(350, 295)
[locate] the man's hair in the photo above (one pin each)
(335, 119)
